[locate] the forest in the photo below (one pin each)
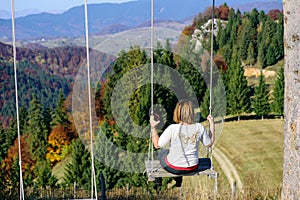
(48, 133)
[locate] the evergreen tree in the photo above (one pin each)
(132, 130)
(37, 130)
(126, 61)
(279, 53)
(10, 135)
(205, 104)
(261, 54)
(11, 180)
(194, 78)
(221, 36)
(245, 38)
(269, 33)
(260, 101)
(47, 115)
(164, 55)
(238, 90)
(231, 19)
(109, 160)
(254, 18)
(219, 99)
(60, 115)
(44, 175)
(251, 54)
(3, 144)
(79, 169)
(194, 71)
(262, 16)
(23, 119)
(278, 94)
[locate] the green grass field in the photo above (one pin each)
(255, 147)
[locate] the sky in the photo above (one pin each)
(49, 5)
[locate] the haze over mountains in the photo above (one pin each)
(108, 18)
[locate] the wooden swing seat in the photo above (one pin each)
(154, 170)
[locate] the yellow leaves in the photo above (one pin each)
(57, 141)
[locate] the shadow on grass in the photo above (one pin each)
(253, 117)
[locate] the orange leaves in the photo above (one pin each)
(13, 155)
(58, 139)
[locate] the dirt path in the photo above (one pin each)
(229, 169)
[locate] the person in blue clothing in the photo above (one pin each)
(184, 137)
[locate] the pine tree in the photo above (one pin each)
(261, 54)
(12, 179)
(133, 108)
(221, 36)
(278, 94)
(109, 160)
(269, 33)
(11, 134)
(279, 38)
(3, 144)
(219, 99)
(251, 54)
(23, 119)
(238, 90)
(164, 55)
(44, 175)
(254, 18)
(205, 104)
(193, 77)
(37, 130)
(60, 115)
(260, 101)
(79, 169)
(193, 71)
(262, 16)
(244, 40)
(47, 115)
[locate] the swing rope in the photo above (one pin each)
(16, 96)
(211, 57)
(93, 175)
(152, 76)
(211, 67)
(150, 149)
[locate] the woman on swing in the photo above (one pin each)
(184, 137)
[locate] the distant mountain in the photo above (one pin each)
(107, 17)
(260, 5)
(4, 14)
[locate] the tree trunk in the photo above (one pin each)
(291, 166)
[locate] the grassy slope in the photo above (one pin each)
(255, 147)
(59, 169)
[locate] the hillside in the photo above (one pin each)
(111, 17)
(42, 72)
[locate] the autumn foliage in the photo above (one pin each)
(274, 14)
(58, 139)
(13, 155)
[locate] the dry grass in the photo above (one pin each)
(256, 149)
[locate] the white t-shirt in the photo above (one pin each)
(184, 143)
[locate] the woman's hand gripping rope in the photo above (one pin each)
(153, 124)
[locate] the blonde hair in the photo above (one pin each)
(184, 112)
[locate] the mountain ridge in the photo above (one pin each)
(70, 24)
